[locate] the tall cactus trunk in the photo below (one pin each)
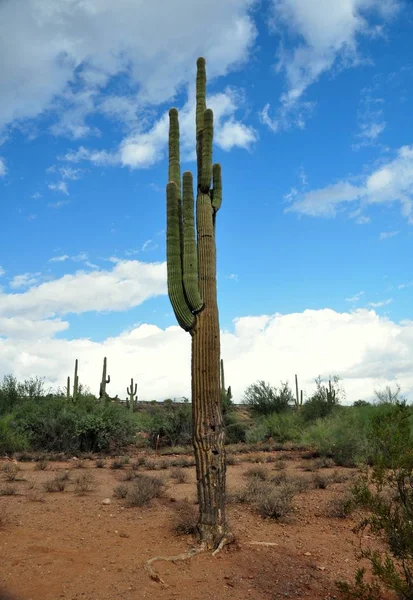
(192, 289)
(208, 428)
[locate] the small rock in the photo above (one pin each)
(107, 501)
(307, 553)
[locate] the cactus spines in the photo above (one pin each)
(104, 382)
(131, 391)
(75, 383)
(298, 397)
(191, 269)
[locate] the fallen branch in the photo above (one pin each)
(263, 544)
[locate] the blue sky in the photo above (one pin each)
(314, 131)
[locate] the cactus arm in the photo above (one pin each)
(174, 169)
(216, 192)
(176, 293)
(207, 138)
(200, 109)
(190, 259)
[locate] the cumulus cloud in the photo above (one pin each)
(325, 35)
(367, 351)
(142, 149)
(78, 48)
(128, 284)
(25, 280)
(388, 184)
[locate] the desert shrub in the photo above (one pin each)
(360, 589)
(13, 393)
(258, 472)
(57, 425)
(186, 518)
(179, 475)
(128, 475)
(99, 463)
(84, 483)
(284, 427)
(256, 434)
(269, 500)
(11, 470)
(57, 484)
(171, 422)
(279, 478)
(143, 490)
(341, 506)
(343, 436)
(264, 399)
(320, 482)
(324, 400)
(235, 428)
(120, 491)
(11, 440)
(8, 490)
(385, 492)
(119, 463)
(41, 465)
(230, 459)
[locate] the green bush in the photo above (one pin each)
(342, 436)
(284, 427)
(11, 440)
(58, 425)
(386, 495)
(324, 400)
(264, 399)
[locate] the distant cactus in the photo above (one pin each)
(330, 393)
(75, 383)
(68, 389)
(132, 393)
(105, 380)
(192, 290)
(298, 397)
(226, 394)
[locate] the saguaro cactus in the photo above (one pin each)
(132, 393)
(75, 383)
(298, 397)
(226, 394)
(68, 389)
(105, 380)
(191, 267)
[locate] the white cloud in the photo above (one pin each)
(3, 169)
(381, 303)
(143, 149)
(61, 186)
(70, 173)
(60, 258)
(22, 328)
(77, 48)
(128, 284)
(36, 196)
(390, 183)
(385, 235)
(2, 271)
(367, 351)
(25, 280)
(325, 35)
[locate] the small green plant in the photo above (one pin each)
(360, 589)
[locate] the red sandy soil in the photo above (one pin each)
(72, 546)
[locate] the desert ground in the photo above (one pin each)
(84, 542)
